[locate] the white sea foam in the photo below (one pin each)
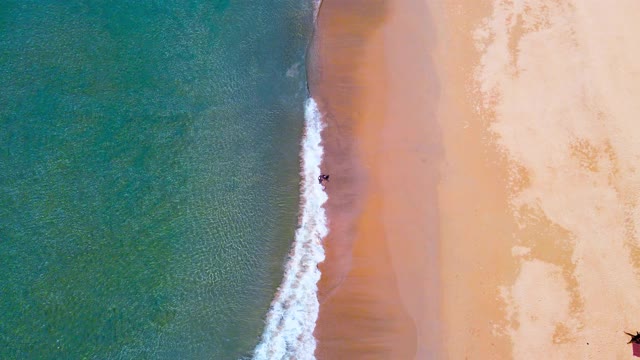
(288, 333)
(316, 9)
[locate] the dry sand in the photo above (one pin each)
(539, 191)
(485, 205)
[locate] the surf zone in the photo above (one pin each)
(292, 316)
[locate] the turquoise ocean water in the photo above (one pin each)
(149, 174)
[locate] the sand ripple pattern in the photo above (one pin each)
(292, 317)
(560, 83)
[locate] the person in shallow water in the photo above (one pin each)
(322, 178)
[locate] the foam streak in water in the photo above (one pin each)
(316, 9)
(292, 317)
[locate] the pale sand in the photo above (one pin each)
(539, 196)
(379, 288)
(409, 153)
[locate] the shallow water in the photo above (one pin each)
(149, 174)
(292, 316)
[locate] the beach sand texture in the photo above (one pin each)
(483, 202)
(376, 277)
(539, 191)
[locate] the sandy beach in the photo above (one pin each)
(538, 190)
(378, 94)
(485, 196)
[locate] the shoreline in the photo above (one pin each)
(379, 290)
(517, 231)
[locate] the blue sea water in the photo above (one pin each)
(149, 174)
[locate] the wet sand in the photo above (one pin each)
(371, 76)
(485, 191)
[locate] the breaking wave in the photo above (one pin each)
(292, 317)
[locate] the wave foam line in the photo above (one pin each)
(316, 9)
(292, 317)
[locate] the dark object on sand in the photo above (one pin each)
(635, 343)
(322, 178)
(634, 338)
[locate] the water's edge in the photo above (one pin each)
(292, 316)
(291, 319)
